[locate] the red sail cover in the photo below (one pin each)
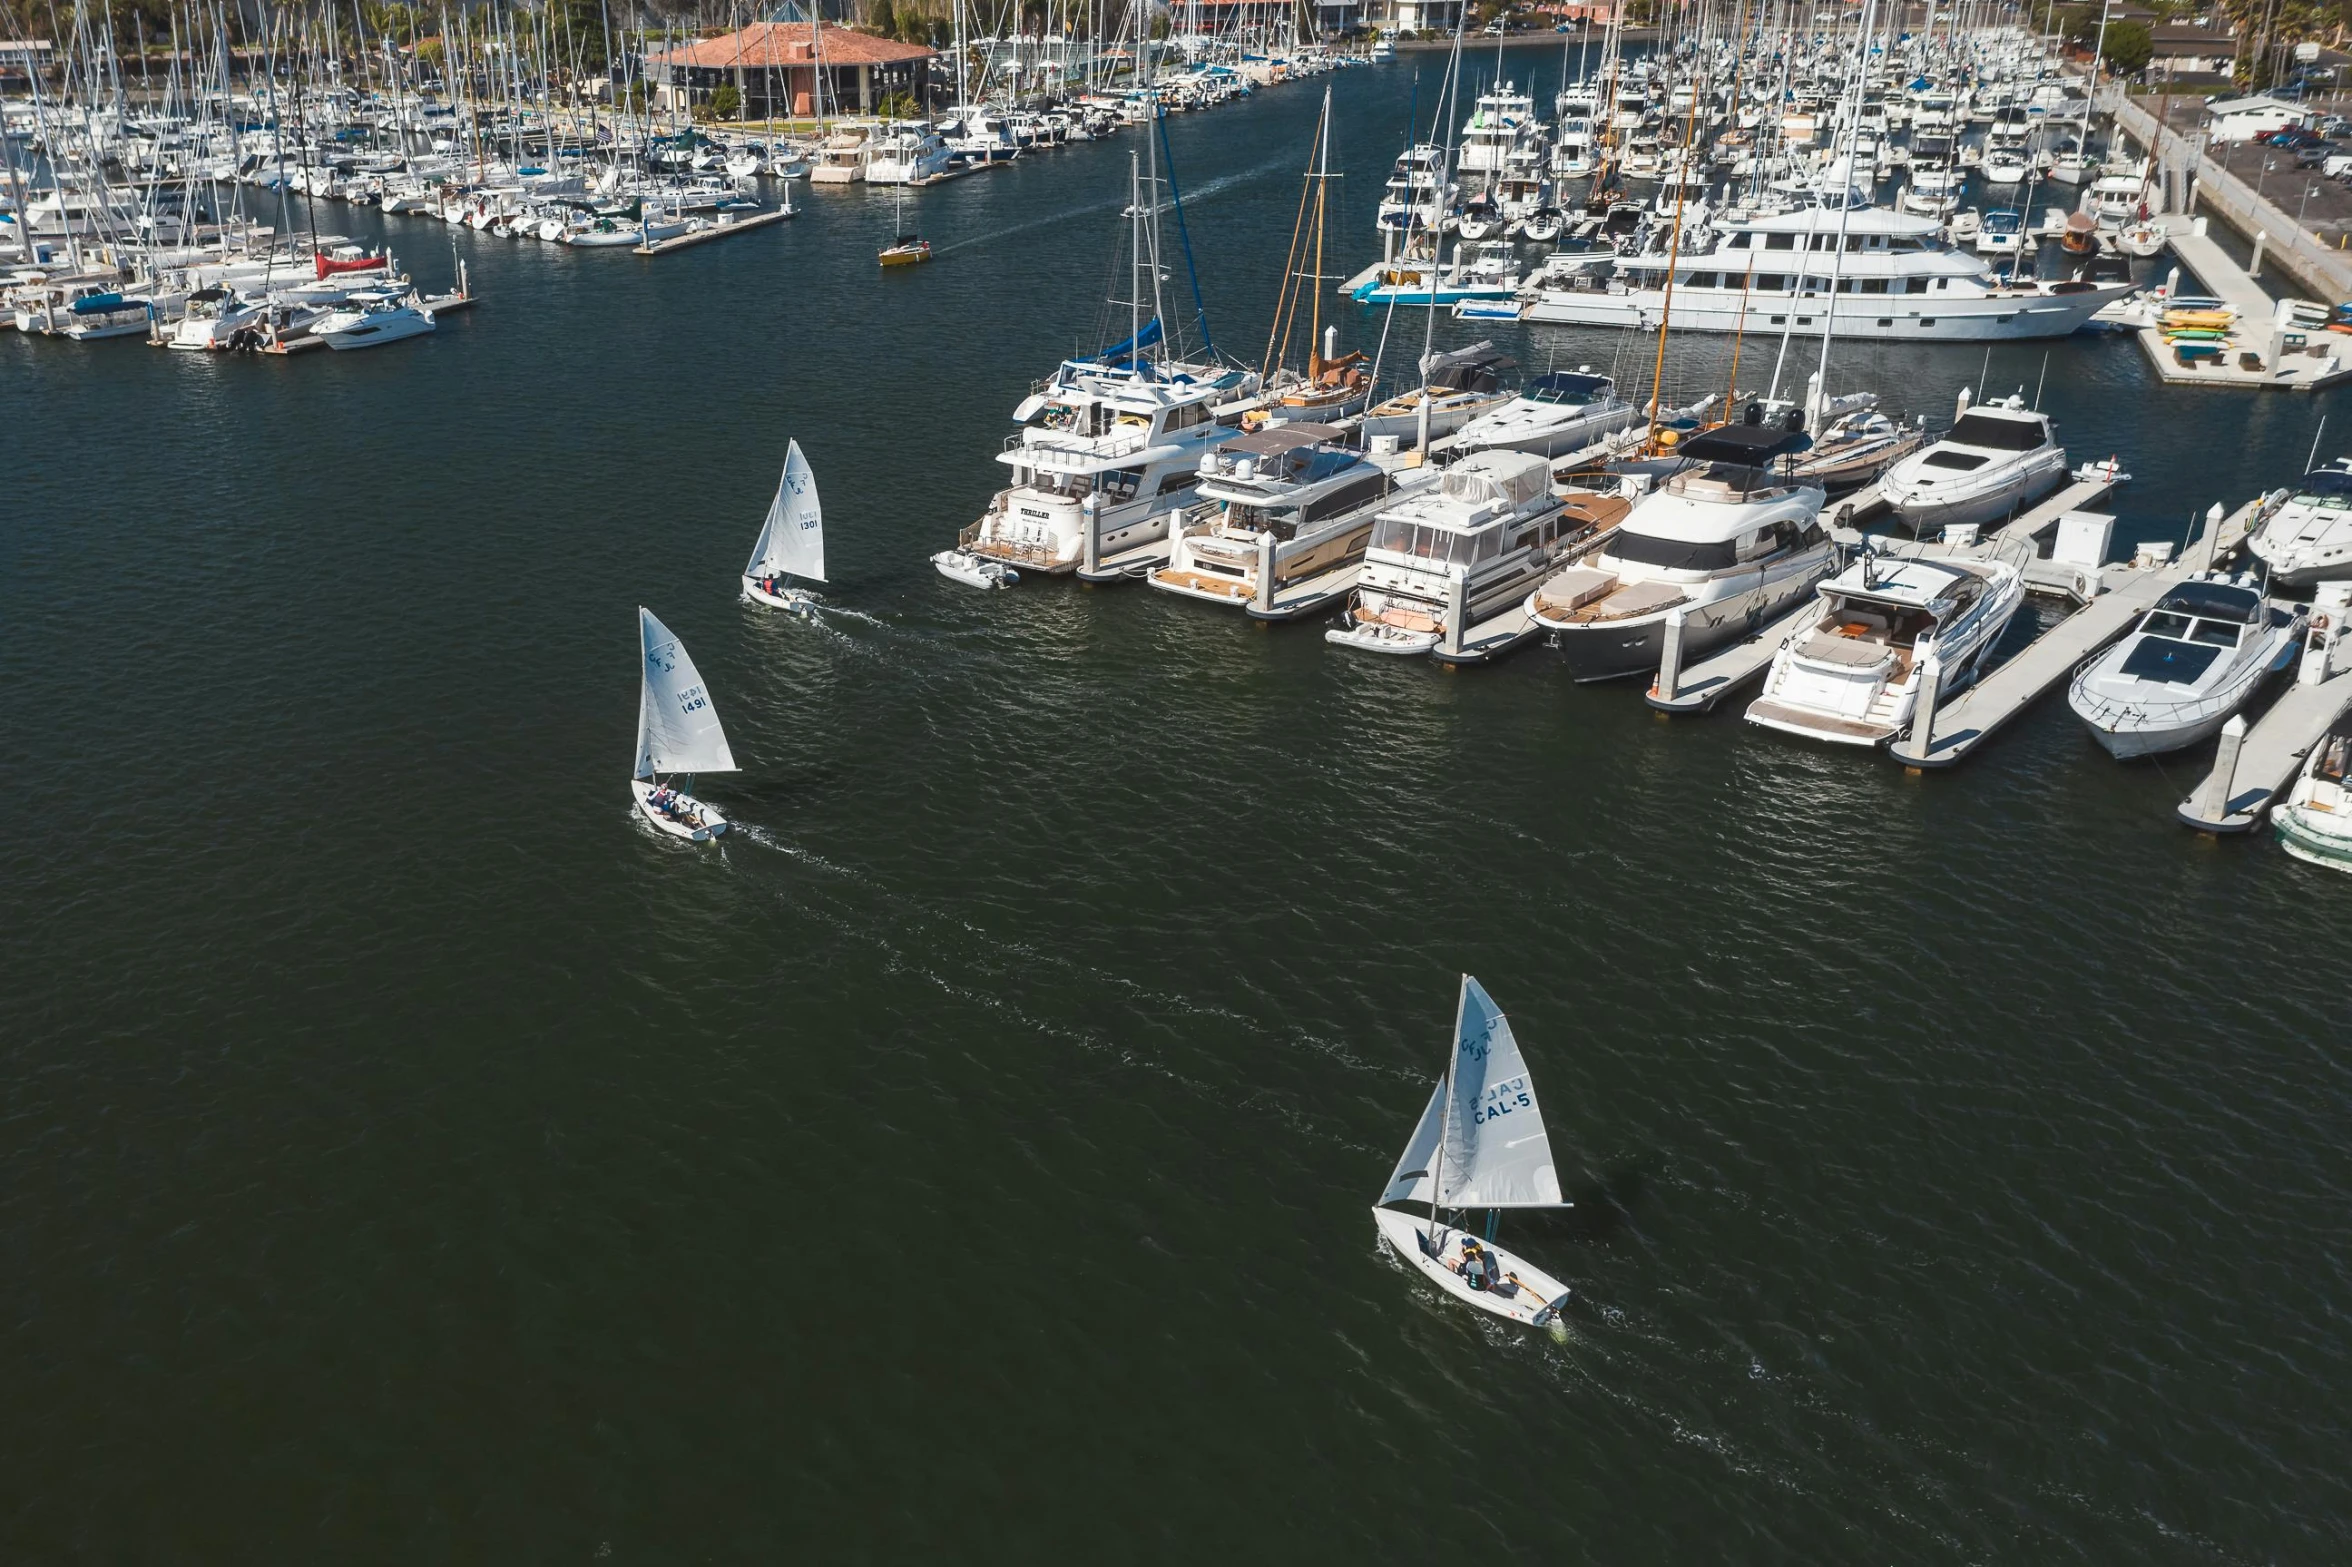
(328, 264)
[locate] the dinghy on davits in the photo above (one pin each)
(678, 734)
(791, 541)
(1481, 1143)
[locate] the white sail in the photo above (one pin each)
(1496, 1153)
(677, 727)
(1410, 1183)
(792, 540)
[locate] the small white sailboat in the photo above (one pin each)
(791, 542)
(678, 734)
(1481, 1144)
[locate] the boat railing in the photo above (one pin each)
(1061, 445)
(2110, 712)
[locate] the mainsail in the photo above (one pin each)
(677, 727)
(1496, 1153)
(792, 540)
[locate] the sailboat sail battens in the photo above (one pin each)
(677, 725)
(792, 540)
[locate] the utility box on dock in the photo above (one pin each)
(2083, 537)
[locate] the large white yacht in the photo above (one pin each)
(1997, 459)
(1559, 412)
(1852, 676)
(1127, 439)
(1417, 196)
(1729, 541)
(2309, 537)
(1283, 519)
(1885, 274)
(1503, 121)
(2193, 660)
(1477, 542)
(909, 153)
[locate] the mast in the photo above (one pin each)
(1446, 1109)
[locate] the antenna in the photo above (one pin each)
(2312, 461)
(2038, 380)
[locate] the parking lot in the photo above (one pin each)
(2324, 205)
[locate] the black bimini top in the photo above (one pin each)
(2215, 601)
(2013, 433)
(1751, 444)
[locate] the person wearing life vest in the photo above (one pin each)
(1476, 1267)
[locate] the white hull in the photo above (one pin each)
(790, 599)
(680, 825)
(1528, 1295)
(376, 331)
(1905, 317)
(2155, 739)
(1373, 637)
(1996, 503)
(973, 571)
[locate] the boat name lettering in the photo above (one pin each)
(1502, 1099)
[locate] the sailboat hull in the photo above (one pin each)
(678, 826)
(1529, 1296)
(791, 599)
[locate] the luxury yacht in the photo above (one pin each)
(1503, 122)
(1284, 507)
(1560, 412)
(370, 320)
(1128, 440)
(1729, 540)
(2310, 536)
(1895, 277)
(1852, 676)
(2000, 457)
(1474, 544)
(2193, 660)
(1414, 198)
(1462, 385)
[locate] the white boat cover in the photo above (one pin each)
(1497, 1152)
(677, 727)
(792, 540)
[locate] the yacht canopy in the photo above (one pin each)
(1515, 478)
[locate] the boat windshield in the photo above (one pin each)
(1643, 549)
(2329, 489)
(1437, 546)
(2214, 601)
(2169, 662)
(1282, 522)
(1568, 388)
(1997, 434)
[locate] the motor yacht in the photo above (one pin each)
(2309, 537)
(2314, 822)
(1502, 122)
(1116, 442)
(372, 319)
(1851, 674)
(1282, 521)
(1448, 568)
(1882, 274)
(1415, 199)
(1727, 541)
(1559, 412)
(2001, 234)
(1461, 384)
(1999, 458)
(2197, 657)
(909, 153)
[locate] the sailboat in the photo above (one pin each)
(907, 250)
(678, 734)
(1481, 1144)
(791, 542)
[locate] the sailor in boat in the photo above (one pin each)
(1476, 1267)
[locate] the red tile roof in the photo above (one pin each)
(788, 43)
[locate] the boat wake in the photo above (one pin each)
(752, 832)
(1225, 182)
(1023, 228)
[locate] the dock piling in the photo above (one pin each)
(2225, 769)
(1265, 573)
(1457, 613)
(1920, 740)
(1090, 525)
(2212, 534)
(2261, 240)
(1670, 664)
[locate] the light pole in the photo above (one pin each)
(2263, 175)
(2309, 191)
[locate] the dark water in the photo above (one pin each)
(407, 1157)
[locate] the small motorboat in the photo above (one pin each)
(2194, 659)
(976, 571)
(2314, 822)
(908, 250)
(2082, 234)
(2143, 238)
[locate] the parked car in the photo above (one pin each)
(2312, 154)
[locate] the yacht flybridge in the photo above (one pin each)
(1885, 274)
(1853, 675)
(1284, 517)
(1728, 541)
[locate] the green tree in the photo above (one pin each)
(725, 101)
(882, 19)
(1159, 26)
(2128, 48)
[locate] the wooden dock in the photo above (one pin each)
(2287, 357)
(724, 226)
(1951, 733)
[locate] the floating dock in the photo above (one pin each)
(724, 226)
(436, 305)
(1127, 564)
(2276, 344)
(1707, 682)
(2253, 765)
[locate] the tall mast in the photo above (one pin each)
(1445, 1109)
